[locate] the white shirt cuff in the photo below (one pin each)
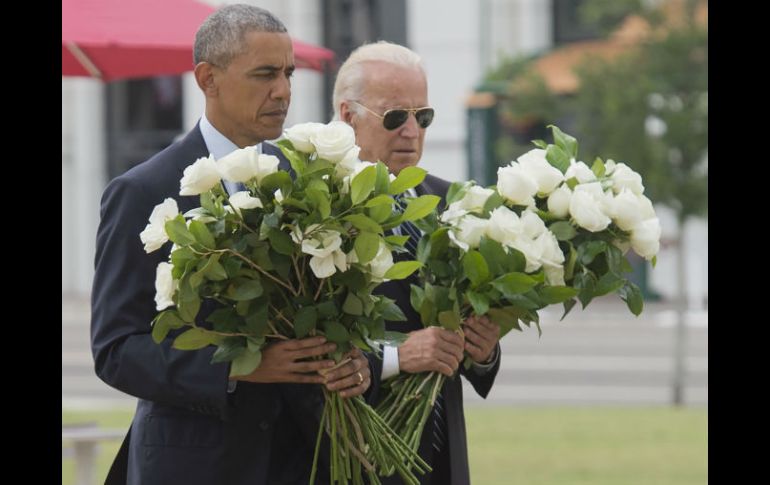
(389, 362)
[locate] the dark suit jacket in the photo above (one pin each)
(451, 467)
(187, 429)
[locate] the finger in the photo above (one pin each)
(478, 338)
(311, 366)
(298, 378)
(342, 371)
(315, 351)
(451, 360)
(303, 343)
(349, 381)
(356, 390)
(474, 351)
(450, 337)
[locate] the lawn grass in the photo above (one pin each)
(542, 446)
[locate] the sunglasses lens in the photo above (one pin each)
(394, 118)
(424, 117)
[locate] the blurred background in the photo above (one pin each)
(601, 397)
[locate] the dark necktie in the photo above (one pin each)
(439, 419)
(408, 229)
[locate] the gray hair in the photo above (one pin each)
(350, 78)
(220, 38)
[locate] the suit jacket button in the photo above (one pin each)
(264, 425)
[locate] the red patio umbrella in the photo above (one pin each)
(118, 39)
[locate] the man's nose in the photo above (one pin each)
(410, 129)
(281, 88)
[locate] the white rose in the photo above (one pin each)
(199, 177)
(645, 238)
(609, 167)
(624, 177)
(515, 185)
(154, 234)
(536, 166)
(278, 195)
(580, 171)
(165, 286)
(381, 263)
(504, 226)
(348, 163)
(628, 209)
(552, 259)
(475, 198)
(333, 141)
(586, 210)
(324, 246)
(453, 213)
(243, 200)
(245, 164)
(532, 224)
(468, 231)
(558, 201)
(299, 135)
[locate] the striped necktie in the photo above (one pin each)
(408, 229)
(439, 420)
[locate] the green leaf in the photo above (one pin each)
(563, 230)
(177, 231)
(390, 311)
(188, 302)
(230, 348)
(589, 250)
(362, 185)
(507, 318)
(586, 284)
(164, 323)
(479, 301)
(416, 296)
(215, 271)
(540, 144)
(304, 321)
(280, 242)
(569, 265)
(296, 160)
(180, 256)
(475, 267)
(327, 308)
(224, 319)
(556, 294)
(632, 295)
(353, 305)
(514, 283)
(402, 269)
(363, 223)
(194, 339)
(244, 289)
(256, 319)
(396, 240)
(336, 332)
(277, 180)
(407, 178)
(245, 363)
(420, 207)
(566, 142)
(382, 181)
(380, 213)
(608, 283)
(366, 246)
(449, 319)
(202, 234)
(320, 201)
(493, 202)
(493, 253)
(439, 242)
(598, 168)
(380, 200)
(568, 305)
(572, 182)
(557, 157)
(292, 202)
(615, 259)
(457, 191)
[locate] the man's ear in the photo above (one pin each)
(206, 79)
(346, 114)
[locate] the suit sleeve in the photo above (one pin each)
(483, 383)
(123, 307)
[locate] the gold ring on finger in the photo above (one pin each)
(360, 377)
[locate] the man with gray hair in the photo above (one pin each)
(382, 92)
(194, 422)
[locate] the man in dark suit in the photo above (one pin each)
(381, 91)
(195, 424)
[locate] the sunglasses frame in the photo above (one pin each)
(413, 111)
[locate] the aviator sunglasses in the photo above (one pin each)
(394, 118)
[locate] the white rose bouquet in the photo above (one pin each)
(551, 231)
(289, 258)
